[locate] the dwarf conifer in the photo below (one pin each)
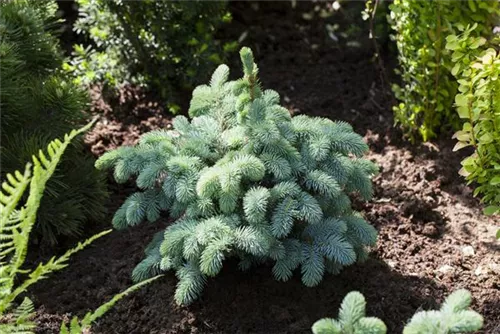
(244, 179)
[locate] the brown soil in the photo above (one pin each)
(424, 213)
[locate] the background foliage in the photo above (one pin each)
(427, 91)
(166, 45)
(477, 69)
(38, 104)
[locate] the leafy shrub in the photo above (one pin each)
(244, 179)
(477, 69)
(164, 44)
(453, 317)
(428, 87)
(39, 104)
(16, 224)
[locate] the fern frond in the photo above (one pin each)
(101, 310)
(22, 316)
(43, 269)
(10, 195)
(84, 326)
(18, 236)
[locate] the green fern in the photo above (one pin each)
(16, 223)
(83, 326)
(19, 321)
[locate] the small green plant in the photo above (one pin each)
(244, 179)
(477, 69)
(352, 319)
(428, 87)
(165, 45)
(16, 224)
(39, 104)
(83, 326)
(453, 317)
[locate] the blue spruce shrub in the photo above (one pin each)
(244, 179)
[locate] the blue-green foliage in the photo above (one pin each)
(244, 179)
(453, 317)
(351, 320)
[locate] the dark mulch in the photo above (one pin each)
(424, 213)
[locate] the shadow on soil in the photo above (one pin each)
(233, 302)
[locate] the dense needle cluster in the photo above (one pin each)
(454, 316)
(244, 179)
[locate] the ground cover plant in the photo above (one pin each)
(245, 179)
(39, 104)
(454, 316)
(165, 45)
(428, 87)
(477, 68)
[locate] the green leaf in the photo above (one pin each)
(461, 100)
(491, 210)
(486, 138)
(472, 5)
(459, 145)
(477, 43)
(463, 112)
(494, 181)
(463, 136)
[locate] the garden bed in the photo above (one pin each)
(433, 238)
